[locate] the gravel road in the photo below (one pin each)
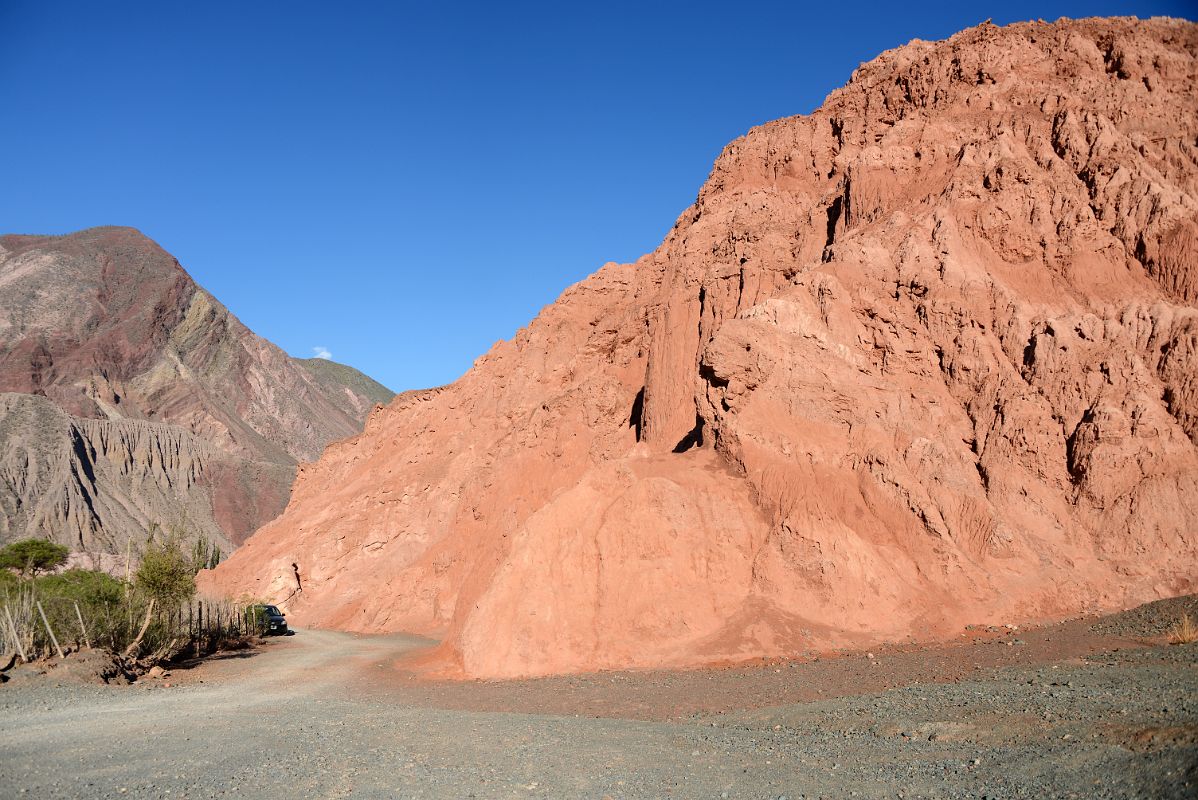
(325, 714)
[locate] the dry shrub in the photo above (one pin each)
(1184, 631)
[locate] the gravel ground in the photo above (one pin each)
(1150, 619)
(326, 714)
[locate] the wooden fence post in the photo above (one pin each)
(49, 630)
(7, 635)
(12, 626)
(83, 627)
(132, 648)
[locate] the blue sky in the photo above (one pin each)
(403, 184)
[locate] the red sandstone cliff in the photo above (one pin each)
(131, 398)
(926, 357)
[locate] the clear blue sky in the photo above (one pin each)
(402, 183)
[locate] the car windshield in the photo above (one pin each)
(274, 612)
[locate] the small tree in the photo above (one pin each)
(31, 556)
(165, 574)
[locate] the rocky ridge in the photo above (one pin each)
(134, 400)
(926, 357)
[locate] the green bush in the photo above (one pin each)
(166, 575)
(100, 599)
(31, 556)
(96, 597)
(83, 586)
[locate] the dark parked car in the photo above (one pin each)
(270, 620)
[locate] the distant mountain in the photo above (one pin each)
(135, 399)
(339, 377)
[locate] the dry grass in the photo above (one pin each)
(1184, 631)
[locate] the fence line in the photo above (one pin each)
(32, 630)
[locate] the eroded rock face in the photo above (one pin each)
(95, 483)
(137, 400)
(924, 358)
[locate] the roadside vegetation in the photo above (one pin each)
(1184, 631)
(151, 617)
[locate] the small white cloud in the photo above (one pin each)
(322, 352)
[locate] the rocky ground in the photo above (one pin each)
(1089, 708)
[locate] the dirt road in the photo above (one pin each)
(325, 714)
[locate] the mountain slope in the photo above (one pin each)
(345, 379)
(926, 357)
(155, 405)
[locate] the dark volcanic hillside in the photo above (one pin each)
(923, 358)
(136, 398)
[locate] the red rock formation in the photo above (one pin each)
(139, 400)
(923, 358)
